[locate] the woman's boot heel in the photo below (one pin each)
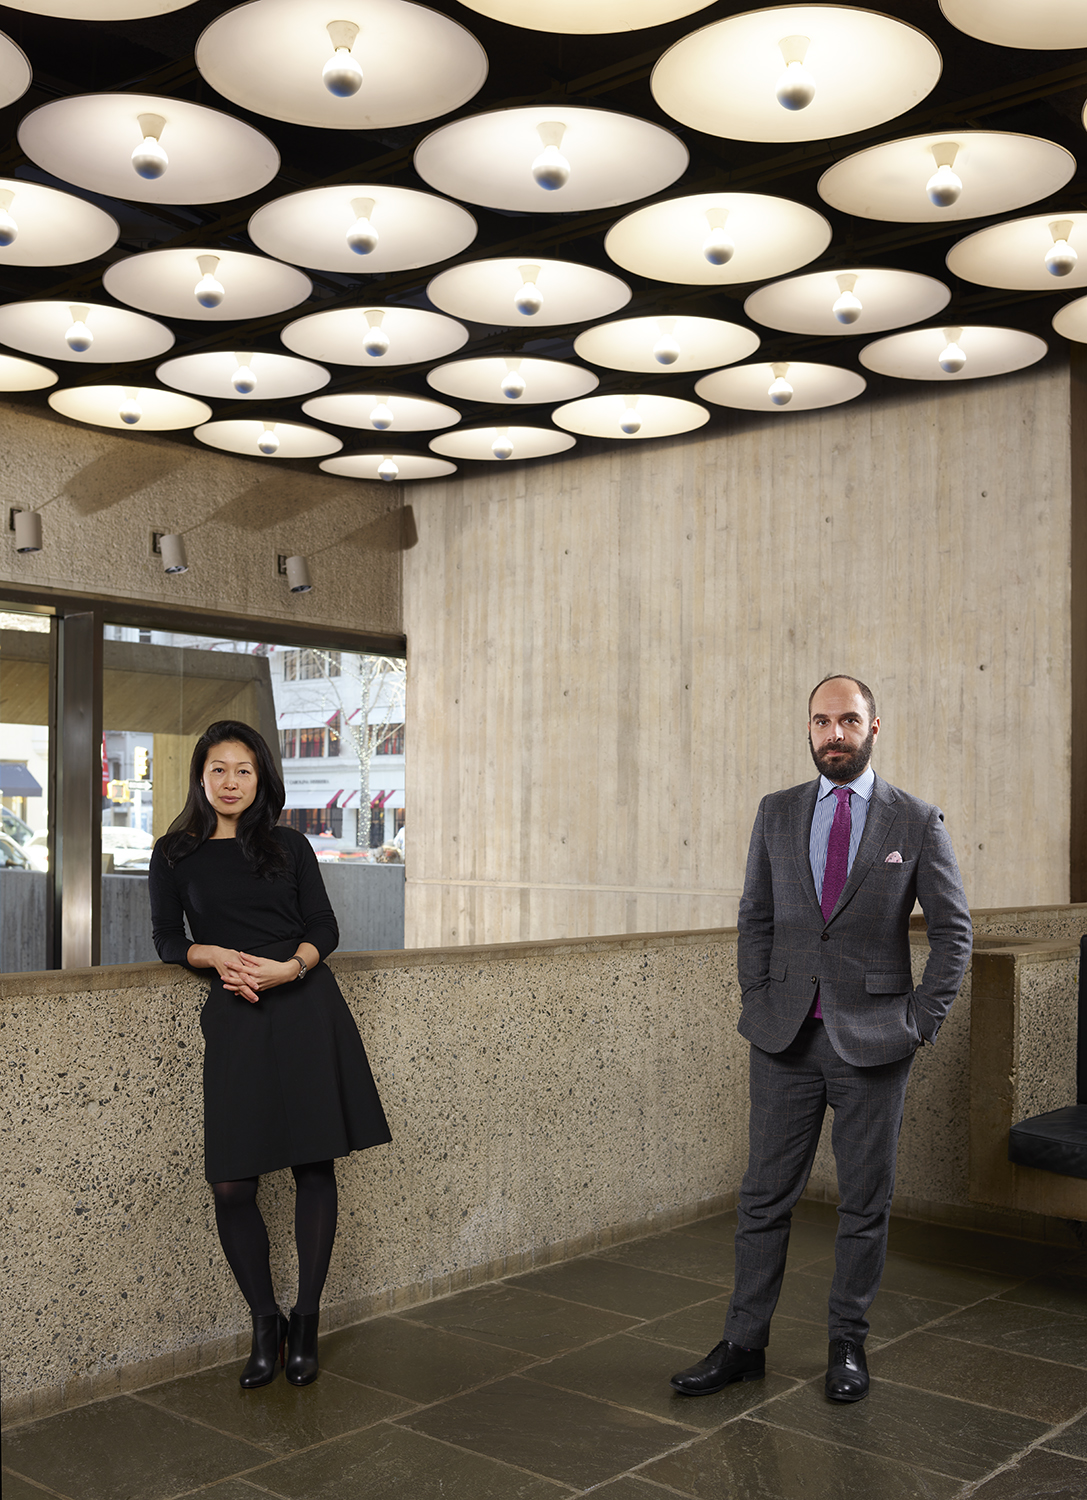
(269, 1335)
(302, 1365)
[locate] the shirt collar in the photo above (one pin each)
(862, 786)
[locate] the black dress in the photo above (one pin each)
(286, 1080)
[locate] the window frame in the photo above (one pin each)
(74, 905)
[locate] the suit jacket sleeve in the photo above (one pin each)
(950, 931)
(756, 915)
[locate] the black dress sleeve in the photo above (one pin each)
(168, 933)
(319, 919)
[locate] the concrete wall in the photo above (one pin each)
(102, 493)
(545, 1100)
(611, 655)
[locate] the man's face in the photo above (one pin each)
(839, 734)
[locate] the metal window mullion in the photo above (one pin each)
(76, 769)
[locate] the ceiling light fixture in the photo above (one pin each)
(529, 300)
(342, 75)
(952, 359)
(551, 170)
(208, 291)
(149, 157)
(268, 441)
(79, 337)
(381, 416)
(377, 341)
(1060, 258)
(717, 247)
(502, 447)
(847, 306)
(513, 382)
(780, 391)
(9, 230)
(944, 187)
(796, 86)
(243, 380)
(362, 237)
(630, 422)
(666, 350)
(130, 411)
(387, 470)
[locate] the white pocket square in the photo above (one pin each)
(894, 858)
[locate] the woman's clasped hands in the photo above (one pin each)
(243, 974)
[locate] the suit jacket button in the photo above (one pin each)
(815, 979)
(825, 936)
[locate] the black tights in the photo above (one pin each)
(245, 1239)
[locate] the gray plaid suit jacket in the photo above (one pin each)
(860, 958)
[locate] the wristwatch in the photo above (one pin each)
(302, 970)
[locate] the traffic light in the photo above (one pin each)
(142, 763)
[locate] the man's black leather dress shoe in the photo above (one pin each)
(847, 1371)
(721, 1366)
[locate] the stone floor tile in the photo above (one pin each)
(816, 1211)
(635, 1373)
(679, 1254)
(279, 1417)
(1071, 1440)
(693, 1329)
(124, 1449)
(1021, 1329)
(629, 1487)
(572, 1438)
(941, 1283)
(748, 1460)
(809, 1242)
(804, 1294)
(421, 1364)
(619, 1288)
(796, 1348)
(390, 1463)
(521, 1320)
(720, 1227)
(230, 1489)
(938, 1433)
(1061, 1293)
(1032, 1387)
(1041, 1475)
(16, 1488)
(973, 1248)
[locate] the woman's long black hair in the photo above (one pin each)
(197, 820)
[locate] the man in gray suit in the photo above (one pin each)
(833, 1018)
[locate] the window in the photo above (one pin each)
(288, 744)
(311, 742)
(393, 743)
(333, 735)
(309, 664)
(314, 821)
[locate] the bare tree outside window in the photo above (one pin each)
(358, 698)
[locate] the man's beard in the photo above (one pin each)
(846, 765)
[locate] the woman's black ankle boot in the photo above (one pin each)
(269, 1333)
(302, 1347)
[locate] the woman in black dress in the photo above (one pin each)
(286, 1080)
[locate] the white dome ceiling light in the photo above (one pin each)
(393, 62)
(243, 374)
(854, 300)
(673, 344)
(268, 439)
(715, 239)
(195, 155)
(88, 332)
(928, 179)
(1048, 24)
(380, 465)
(225, 286)
(585, 17)
(382, 411)
(517, 293)
(41, 226)
(1045, 253)
(796, 73)
(631, 415)
(551, 159)
(951, 352)
(512, 378)
(374, 336)
(362, 228)
(783, 385)
(131, 408)
(502, 443)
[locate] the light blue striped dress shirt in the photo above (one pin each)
(824, 817)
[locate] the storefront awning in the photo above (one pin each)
(16, 780)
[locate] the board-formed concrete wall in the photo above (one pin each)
(611, 655)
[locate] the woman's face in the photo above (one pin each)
(230, 779)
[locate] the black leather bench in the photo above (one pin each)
(1057, 1141)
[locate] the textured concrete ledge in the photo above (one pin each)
(546, 1100)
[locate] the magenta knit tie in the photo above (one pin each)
(837, 868)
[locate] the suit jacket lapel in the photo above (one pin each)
(882, 811)
(802, 841)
